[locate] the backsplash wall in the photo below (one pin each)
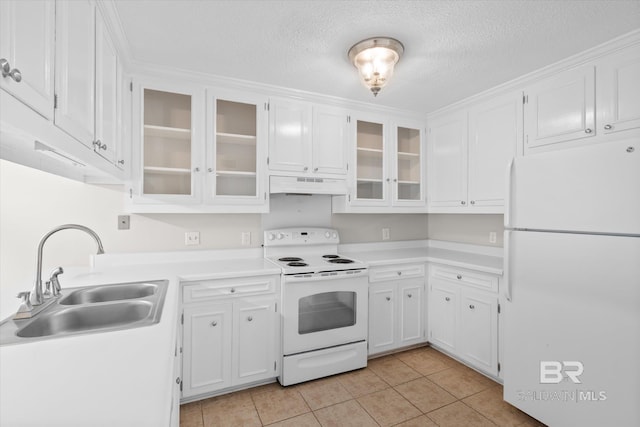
(466, 228)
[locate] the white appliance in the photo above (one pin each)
(572, 318)
(324, 304)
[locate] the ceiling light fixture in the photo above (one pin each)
(375, 58)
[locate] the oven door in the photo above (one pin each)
(324, 309)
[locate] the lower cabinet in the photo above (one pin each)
(231, 333)
(396, 307)
(463, 315)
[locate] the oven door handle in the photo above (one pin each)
(316, 277)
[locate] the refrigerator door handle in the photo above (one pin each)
(507, 195)
(507, 260)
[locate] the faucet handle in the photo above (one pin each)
(24, 295)
(25, 304)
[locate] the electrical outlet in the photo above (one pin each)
(192, 238)
(246, 238)
(492, 237)
(123, 222)
(385, 234)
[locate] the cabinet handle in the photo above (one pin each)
(214, 323)
(459, 276)
(608, 127)
(447, 299)
(588, 131)
(472, 306)
(388, 298)
(409, 295)
(233, 290)
(250, 318)
(462, 202)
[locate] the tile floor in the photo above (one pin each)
(419, 387)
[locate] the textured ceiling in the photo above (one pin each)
(453, 49)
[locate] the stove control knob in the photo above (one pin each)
(334, 235)
(271, 236)
(327, 234)
(280, 236)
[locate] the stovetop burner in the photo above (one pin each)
(330, 256)
(290, 259)
(340, 261)
(297, 264)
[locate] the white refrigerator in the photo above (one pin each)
(572, 286)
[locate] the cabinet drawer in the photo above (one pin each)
(402, 271)
(465, 277)
(207, 289)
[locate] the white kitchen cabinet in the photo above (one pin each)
(469, 151)
(207, 348)
(617, 89)
(236, 149)
(560, 108)
(27, 42)
(388, 174)
(231, 333)
(463, 315)
(307, 139)
(396, 307)
(75, 69)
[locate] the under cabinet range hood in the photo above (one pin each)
(307, 185)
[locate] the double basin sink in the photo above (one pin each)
(89, 310)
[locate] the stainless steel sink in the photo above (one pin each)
(124, 291)
(86, 318)
(91, 309)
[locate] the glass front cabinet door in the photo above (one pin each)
(236, 148)
(408, 161)
(167, 155)
(371, 178)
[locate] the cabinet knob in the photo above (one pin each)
(409, 295)
(233, 290)
(388, 298)
(462, 202)
(473, 202)
(16, 75)
(305, 168)
(178, 380)
(447, 299)
(630, 149)
(250, 318)
(399, 273)
(395, 179)
(588, 130)
(608, 127)
(214, 323)
(459, 276)
(196, 169)
(471, 306)
(210, 170)
(388, 180)
(121, 162)
(5, 67)
(315, 169)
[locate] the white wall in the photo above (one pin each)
(466, 228)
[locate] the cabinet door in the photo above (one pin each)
(330, 140)
(493, 138)
(560, 108)
(27, 38)
(408, 170)
(236, 148)
(168, 149)
(410, 300)
(255, 333)
(75, 69)
(289, 136)
(447, 142)
(207, 348)
(618, 86)
(381, 318)
(479, 330)
(442, 315)
(371, 176)
(106, 113)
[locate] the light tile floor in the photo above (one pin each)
(419, 387)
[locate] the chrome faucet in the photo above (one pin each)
(37, 295)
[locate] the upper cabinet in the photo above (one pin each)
(469, 151)
(307, 139)
(587, 104)
(388, 155)
(27, 41)
(177, 168)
